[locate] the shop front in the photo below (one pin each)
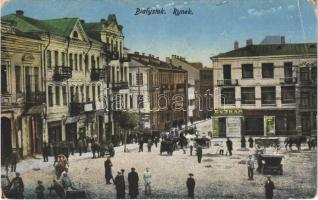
(227, 122)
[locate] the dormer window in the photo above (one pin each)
(75, 34)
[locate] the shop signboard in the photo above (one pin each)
(233, 127)
(269, 125)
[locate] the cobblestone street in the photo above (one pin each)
(216, 176)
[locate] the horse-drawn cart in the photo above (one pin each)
(271, 164)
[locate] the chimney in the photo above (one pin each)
(282, 39)
(19, 13)
(236, 45)
(102, 20)
(136, 53)
(249, 42)
(82, 21)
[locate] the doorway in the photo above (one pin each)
(6, 141)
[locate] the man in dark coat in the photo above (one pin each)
(250, 140)
(269, 187)
(45, 152)
(108, 170)
(141, 145)
(133, 180)
(16, 187)
(229, 146)
(243, 142)
(80, 146)
(199, 153)
(120, 186)
(190, 186)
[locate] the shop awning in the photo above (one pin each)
(70, 120)
(35, 110)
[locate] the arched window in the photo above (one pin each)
(75, 34)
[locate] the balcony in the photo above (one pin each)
(77, 108)
(120, 85)
(288, 80)
(227, 82)
(109, 53)
(124, 58)
(35, 98)
(98, 74)
(62, 73)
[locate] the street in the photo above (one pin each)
(216, 176)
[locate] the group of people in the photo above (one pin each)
(150, 143)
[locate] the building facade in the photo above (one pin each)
(158, 91)
(205, 88)
(255, 89)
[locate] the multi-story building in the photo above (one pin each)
(193, 70)
(256, 86)
(22, 95)
(205, 100)
(158, 91)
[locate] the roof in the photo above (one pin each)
(272, 39)
(62, 27)
(196, 65)
(271, 50)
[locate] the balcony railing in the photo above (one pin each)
(288, 80)
(227, 82)
(77, 108)
(120, 85)
(35, 97)
(62, 73)
(109, 53)
(98, 74)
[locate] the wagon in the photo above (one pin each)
(271, 164)
(167, 146)
(203, 141)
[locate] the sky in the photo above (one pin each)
(212, 29)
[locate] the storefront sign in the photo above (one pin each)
(269, 125)
(233, 127)
(228, 112)
(215, 125)
(99, 105)
(88, 107)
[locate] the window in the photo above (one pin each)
(247, 71)
(254, 125)
(87, 94)
(304, 74)
(113, 74)
(131, 101)
(75, 61)
(304, 99)
(117, 101)
(267, 70)
(50, 92)
(126, 101)
(56, 58)
(4, 79)
(36, 79)
(71, 60)
(86, 63)
(28, 81)
(121, 73)
(125, 73)
(18, 79)
(268, 95)
(57, 95)
(82, 93)
(288, 69)
(226, 72)
(140, 101)
(49, 59)
(314, 99)
(139, 79)
(94, 93)
(288, 94)
(228, 96)
(97, 62)
(80, 62)
(64, 95)
(314, 74)
(98, 93)
(63, 59)
(248, 95)
(130, 79)
(75, 34)
(93, 62)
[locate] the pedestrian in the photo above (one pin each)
(149, 145)
(72, 147)
(199, 153)
(156, 141)
(141, 145)
(191, 145)
(85, 143)
(108, 170)
(120, 185)
(250, 167)
(229, 146)
(39, 190)
(147, 180)
(66, 182)
(309, 143)
(221, 147)
(251, 141)
(243, 142)
(80, 146)
(16, 187)
(190, 186)
(133, 180)
(269, 187)
(12, 159)
(45, 152)
(58, 188)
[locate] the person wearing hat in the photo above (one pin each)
(250, 167)
(133, 180)
(190, 185)
(269, 187)
(108, 170)
(39, 190)
(16, 187)
(199, 153)
(120, 185)
(147, 180)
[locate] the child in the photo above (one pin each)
(39, 190)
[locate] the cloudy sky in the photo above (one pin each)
(212, 29)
